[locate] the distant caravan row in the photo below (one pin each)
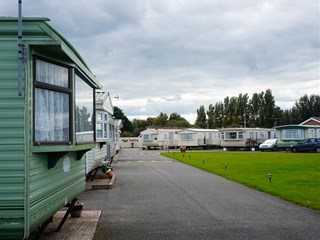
(192, 138)
(280, 137)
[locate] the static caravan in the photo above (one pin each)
(236, 138)
(105, 147)
(291, 134)
(47, 124)
(205, 138)
(159, 138)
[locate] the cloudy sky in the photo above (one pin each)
(173, 56)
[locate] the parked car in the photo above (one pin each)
(307, 145)
(269, 144)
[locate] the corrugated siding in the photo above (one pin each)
(95, 157)
(11, 143)
(51, 188)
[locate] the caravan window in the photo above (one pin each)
(111, 132)
(230, 135)
(292, 134)
(186, 136)
(101, 126)
(105, 132)
(252, 135)
(99, 117)
(99, 130)
(171, 135)
(312, 133)
(146, 137)
(240, 135)
(52, 100)
(222, 135)
(84, 111)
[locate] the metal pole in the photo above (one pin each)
(20, 48)
(244, 116)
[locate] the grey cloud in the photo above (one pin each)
(189, 53)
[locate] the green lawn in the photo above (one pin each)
(295, 177)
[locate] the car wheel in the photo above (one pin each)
(294, 149)
(317, 150)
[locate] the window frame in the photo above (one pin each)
(94, 112)
(103, 119)
(54, 88)
(287, 133)
(186, 136)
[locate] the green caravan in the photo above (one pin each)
(292, 134)
(47, 124)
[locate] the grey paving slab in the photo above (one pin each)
(157, 198)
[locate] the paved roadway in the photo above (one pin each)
(158, 198)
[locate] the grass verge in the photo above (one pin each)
(294, 177)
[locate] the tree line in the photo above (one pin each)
(133, 129)
(238, 111)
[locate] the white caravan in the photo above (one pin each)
(105, 146)
(193, 137)
(236, 138)
(159, 138)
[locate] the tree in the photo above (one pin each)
(210, 114)
(127, 129)
(268, 110)
(305, 108)
(175, 120)
(138, 126)
(242, 109)
(255, 110)
(228, 112)
(218, 115)
(201, 120)
(161, 120)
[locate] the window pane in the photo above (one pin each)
(105, 132)
(240, 135)
(312, 133)
(99, 130)
(292, 134)
(51, 116)
(84, 111)
(112, 133)
(171, 135)
(99, 117)
(251, 135)
(231, 135)
(146, 137)
(52, 74)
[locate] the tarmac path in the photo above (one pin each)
(158, 198)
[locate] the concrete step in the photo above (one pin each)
(101, 181)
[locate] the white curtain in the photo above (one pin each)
(292, 134)
(51, 107)
(52, 74)
(51, 116)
